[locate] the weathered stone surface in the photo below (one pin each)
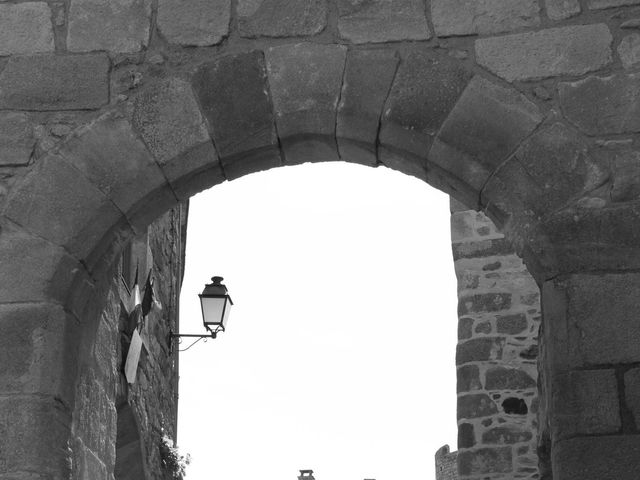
(613, 107)
(562, 9)
(632, 393)
(194, 22)
(484, 302)
(529, 183)
(486, 125)
(37, 351)
(512, 324)
(629, 50)
(602, 458)
(234, 95)
(599, 314)
(119, 27)
(632, 23)
(506, 435)
(57, 203)
(465, 326)
(479, 350)
(425, 90)
(468, 17)
(503, 378)
(601, 4)
(482, 248)
(382, 20)
(468, 379)
(25, 28)
(115, 160)
(367, 79)
(475, 406)
(485, 460)
(55, 82)
(542, 54)
(34, 432)
(281, 18)
(169, 120)
(16, 139)
(305, 81)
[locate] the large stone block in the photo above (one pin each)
(37, 351)
(468, 379)
(25, 28)
(234, 94)
(16, 139)
(632, 393)
(503, 378)
(484, 302)
(54, 201)
(34, 434)
(506, 435)
(550, 169)
(305, 81)
(476, 406)
(281, 18)
(485, 126)
(55, 82)
(119, 27)
(613, 107)
(629, 50)
(512, 324)
(111, 156)
(597, 458)
(542, 54)
(425, 89)
(169, 121)
(367, 79)
(194, 22)
(599, 317)
(382, 21)
(469, 17)
(484, 461)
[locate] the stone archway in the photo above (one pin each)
(468, 115)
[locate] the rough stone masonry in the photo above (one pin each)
(112, 113)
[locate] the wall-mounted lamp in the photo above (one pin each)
(216, 305)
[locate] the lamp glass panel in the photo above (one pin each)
(227, 309)
(212, 308)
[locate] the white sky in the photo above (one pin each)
(339, 352)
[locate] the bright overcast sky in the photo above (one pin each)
(339, 355)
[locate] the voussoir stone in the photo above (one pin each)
(601, 4)
(234, 95)
(382, 20)
(58, 203)
(613, 106)
(367, 79)
(562, 9)
(281, 18)
(542, 54)
(305, 81)
(55, 82)
(110, 154)
(487, 123)
(25, 28)
(426, 88)
(117, 26)
(170, 123)
(16, 139)
(194, 22)
(469, 17)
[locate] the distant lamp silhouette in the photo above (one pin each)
(216, 306)
(306, 475)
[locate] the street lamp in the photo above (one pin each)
(216, 305)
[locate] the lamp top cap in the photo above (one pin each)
(217, 280)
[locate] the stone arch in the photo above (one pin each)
(468, 115)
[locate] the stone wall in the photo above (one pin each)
(499, 318)
(446, 464)
(118, 427)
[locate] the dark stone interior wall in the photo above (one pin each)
(114, 422)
